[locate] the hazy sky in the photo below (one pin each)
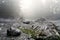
(9, 8)
(31, 9)
(40, 8)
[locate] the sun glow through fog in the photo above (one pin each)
(28, 6)
(43, 2)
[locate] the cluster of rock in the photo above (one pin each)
(47, 28)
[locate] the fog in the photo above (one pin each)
(30, 9)
(9, 8)
(33, 9)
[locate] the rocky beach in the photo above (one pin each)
(48, 28)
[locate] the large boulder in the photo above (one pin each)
(26, 22)
(13, 32)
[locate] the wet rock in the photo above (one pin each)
(53, 38)
(39, 39)
(27, 22)
(41, 20)
(13, 32)
(0, 29)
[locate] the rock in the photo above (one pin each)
(41, 20)
(27, 22)
(0, 28)
(39, 39)
(49, 38)
(13, 32)
(53, 38)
